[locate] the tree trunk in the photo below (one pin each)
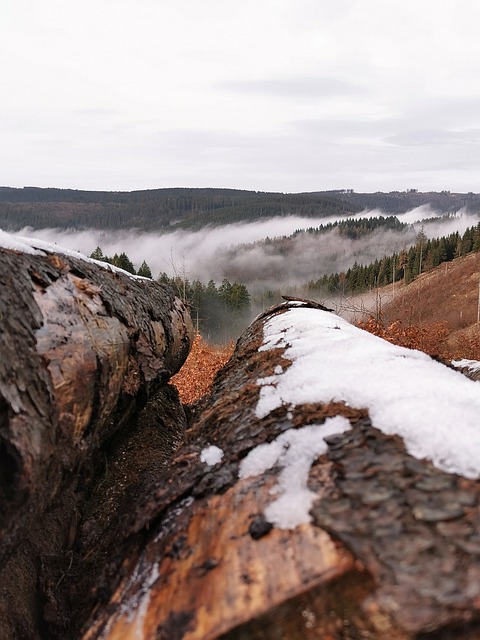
(471, 369)
(85, 350)
(391, 550)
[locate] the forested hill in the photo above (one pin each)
(156, 209)
(398, 202)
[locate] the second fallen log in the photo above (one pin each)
(328, 488)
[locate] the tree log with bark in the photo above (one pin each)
(86, 352)
(326, 488)
(334, 528)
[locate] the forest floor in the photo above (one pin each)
(197, 374)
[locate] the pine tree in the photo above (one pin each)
(97, 254)
(123, 262)
(144, 270)
(467, 242)
(476, 238)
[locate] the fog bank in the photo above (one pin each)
(234, 251)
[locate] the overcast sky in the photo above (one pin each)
(274, 95)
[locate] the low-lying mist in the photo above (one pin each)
(237, 253)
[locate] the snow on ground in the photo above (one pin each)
(40, 247)
(436, 410)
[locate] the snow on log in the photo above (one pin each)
(469, 368)
(85, 350)
(328, 488)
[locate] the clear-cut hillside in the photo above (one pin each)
(449, 293)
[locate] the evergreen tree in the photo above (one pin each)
(224, 291)
(123, 262)
(144, 270)
(409, 272)
(442, 251)
(476, 238)
(239, 298)
(97, 254)
(467, 242)
(387, 270)
(419, 253)
(164, 279)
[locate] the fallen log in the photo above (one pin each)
(86, 351)
(469, 368)
(327, 488)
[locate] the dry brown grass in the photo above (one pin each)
(428, 337)
(437, 312)
(448, 293)
(197, 374)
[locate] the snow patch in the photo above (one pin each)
(211, 455)
(434, 409)
(294, 451)
(19, 244)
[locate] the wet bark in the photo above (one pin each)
(86, 353)
(391, 551)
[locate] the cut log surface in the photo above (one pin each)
(85, 349)
(390, 548)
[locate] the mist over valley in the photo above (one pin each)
(230, 253)
(267, 254)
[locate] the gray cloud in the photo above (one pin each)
(299, 88)
(453, 121)
(435, 137)
(446, 111)
(197, 94)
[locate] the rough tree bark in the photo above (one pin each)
(85, 353)
(393, 550)
(113, 526)
(472, 370)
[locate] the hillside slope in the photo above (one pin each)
(398, 202)
(447, 294)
